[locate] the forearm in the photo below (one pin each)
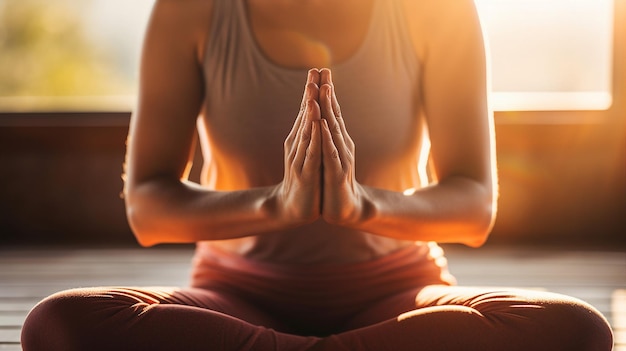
(163, 209)
(457, 210)
(169, 211)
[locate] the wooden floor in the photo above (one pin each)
(27, 275)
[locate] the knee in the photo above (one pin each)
(549, 321)
(55, 323)
(580, 326)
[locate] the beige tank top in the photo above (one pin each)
(248, 95)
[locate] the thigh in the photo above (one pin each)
(143, 298)
(489, 301)
(152, 318)
(483, 317)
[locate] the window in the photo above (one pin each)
(549, 55)
(70, 54)
(83, 54)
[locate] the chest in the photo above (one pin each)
(253, 97)
(301, 34)
(250, 123)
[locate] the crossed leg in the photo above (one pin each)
(438, 318)
(468, 318)
(152, 319)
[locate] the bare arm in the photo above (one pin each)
(162, 206)
(461, 206)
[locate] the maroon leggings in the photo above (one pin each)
(399, 302)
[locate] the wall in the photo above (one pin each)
(560, 183)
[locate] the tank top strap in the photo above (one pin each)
(398, 34)
(224, 22)
(228, 47)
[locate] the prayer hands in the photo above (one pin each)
(319, 174)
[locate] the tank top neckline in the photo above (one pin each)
(259, 53)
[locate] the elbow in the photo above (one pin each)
(477, 240)
(144, 242)
(484, 221)
(137, 221)
(479, 235)
(142, 234)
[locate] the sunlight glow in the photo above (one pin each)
(544, 55)
(549, 55)
(98, 103)
(409, 192)
(422, 163)
(551, 101)
(618, 312)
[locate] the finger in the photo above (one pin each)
(344, 131)
(327, 80)
(313, 77)
(311, 92)
(291, 142)
(341, 141)
(310, 89)
(326, 77)
(330, 154)
(313, 159)
(326, 104)
(312, 113)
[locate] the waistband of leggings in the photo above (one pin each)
(421, 256)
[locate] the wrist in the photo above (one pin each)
(275, 206)
(367, 207)
(361, 210)
(270, 206)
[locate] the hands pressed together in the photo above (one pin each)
(319, 179)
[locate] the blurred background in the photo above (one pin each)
(68, 73)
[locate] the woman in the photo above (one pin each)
(320, 233)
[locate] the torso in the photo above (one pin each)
(293, 36)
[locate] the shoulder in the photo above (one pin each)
(437, 22)
(187, 14)
(186, 22)
(439, 14)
